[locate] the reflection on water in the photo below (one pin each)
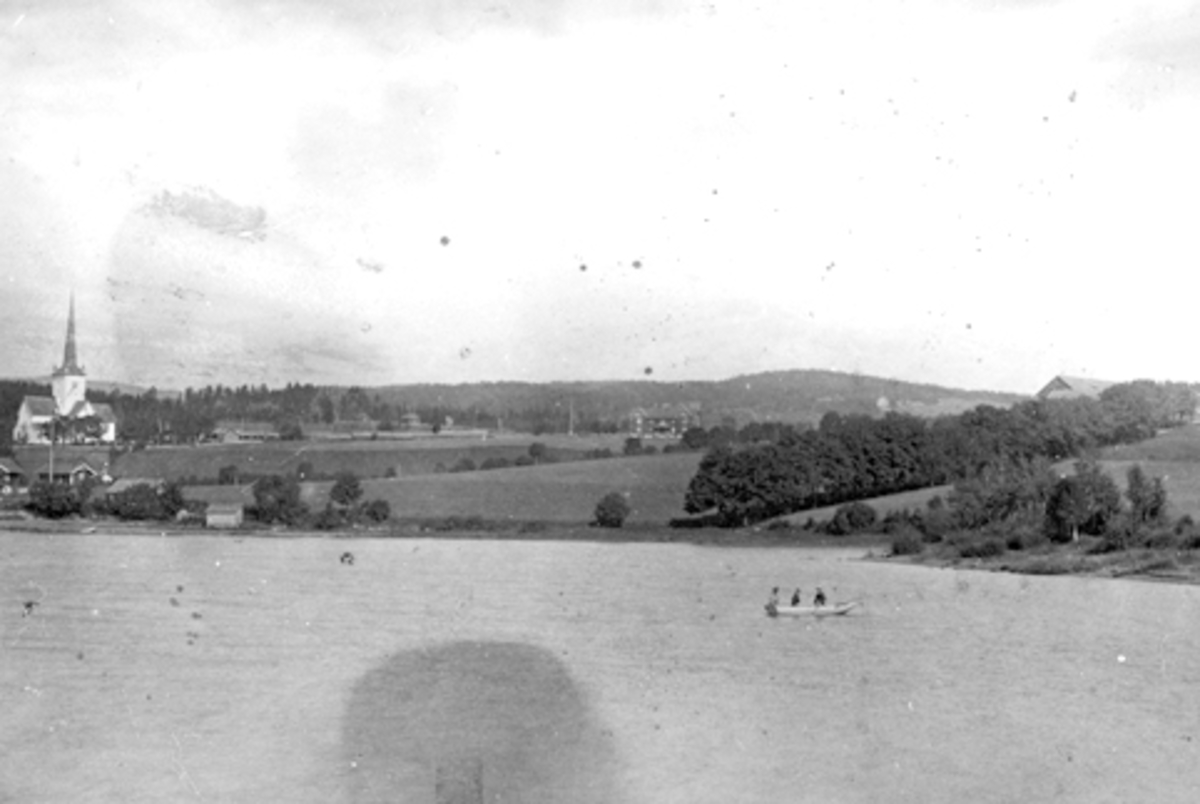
(465, 722)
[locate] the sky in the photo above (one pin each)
(974, 194)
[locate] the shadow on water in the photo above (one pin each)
(468, 722)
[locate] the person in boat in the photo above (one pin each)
(796, 597)
(773, 600)
(819, 598)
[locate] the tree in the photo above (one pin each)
(612, 510)
(1147, 497)
(346, 490)
(290, 430)
(325, 409)
(633, 446)
(1081, 503)
(227, 475)
(694, 438)
(277, 499)
(538, 451)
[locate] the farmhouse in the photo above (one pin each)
(66, 417)
(12, 476)
(239, 432)
(1064, 387)
(664, 421)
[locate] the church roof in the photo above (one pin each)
(70, 365)
(46, 406)
(40, 405)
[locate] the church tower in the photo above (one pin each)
(68, 383)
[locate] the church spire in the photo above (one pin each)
(70, 365)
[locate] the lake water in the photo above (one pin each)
(215, 669)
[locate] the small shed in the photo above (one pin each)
(224, 506)
(224, 515)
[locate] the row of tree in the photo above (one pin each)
(856, 457)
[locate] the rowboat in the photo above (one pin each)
(810, 611)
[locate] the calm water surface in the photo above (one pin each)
(207, 669)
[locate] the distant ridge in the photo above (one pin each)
(800, 395)
(104, 386)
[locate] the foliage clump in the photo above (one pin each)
(854, 517)
(54, 500)
(612, 510)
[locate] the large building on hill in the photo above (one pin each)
(67, 414)
(1064, 387)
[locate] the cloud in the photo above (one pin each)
(204, 208)
(1161, 55)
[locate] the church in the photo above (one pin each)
(67, 415)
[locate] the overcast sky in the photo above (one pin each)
(975, 194)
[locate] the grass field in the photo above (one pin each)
(916, 499)
(1174, 456)
(364, 458)
(563, 492)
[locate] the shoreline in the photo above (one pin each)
(1145, 565)
(636, 533)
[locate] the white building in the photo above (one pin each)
(68, 413)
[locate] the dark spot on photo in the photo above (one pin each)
(468, 722)
(583, 267)
(445, 241)
(637, 263)
(648, 371)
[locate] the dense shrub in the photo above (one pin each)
(463, 464)
(346, 491)
(633, 446)
(1025, 537)
(54, 500)
(144, 502)
(987, 548)
(523, 460)
(850, 518)
(907, 542)
(330, 519)
(612, 510)
(377, 511)
(495, 462)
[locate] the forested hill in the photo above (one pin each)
(790, 396)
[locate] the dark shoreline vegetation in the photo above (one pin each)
(992, 488)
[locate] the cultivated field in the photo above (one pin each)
(364, 458)
(563, 492)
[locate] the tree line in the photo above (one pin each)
(856, 457)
